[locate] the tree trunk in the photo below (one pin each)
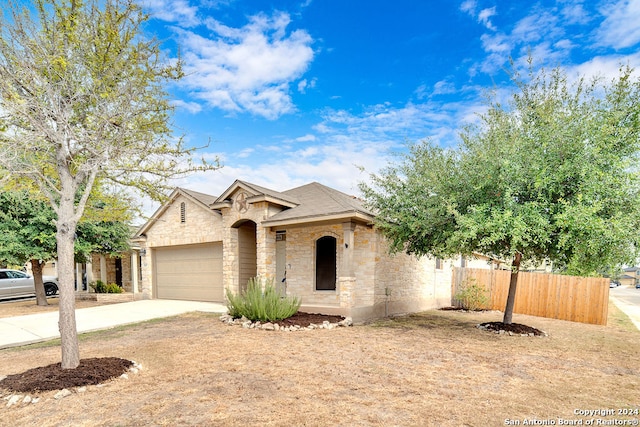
(36, 269)
(67, 318)
(515, 269)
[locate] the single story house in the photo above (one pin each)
(312, 241)
(631, 276)
(109, 269)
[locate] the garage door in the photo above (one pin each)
(190, 272)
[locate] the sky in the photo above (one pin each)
(290, 92)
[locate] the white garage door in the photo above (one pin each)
(190, 272)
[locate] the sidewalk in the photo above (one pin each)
(28, 329)
(630, 310)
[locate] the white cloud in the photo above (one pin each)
(621, 28)
(178, 11)
(192, 107)
(484, 17)
(574, 13)
(248, 68)
(607, 67)
(245, 153)
(468, 6)
(304, 84)
(306, 138)
(444, 87)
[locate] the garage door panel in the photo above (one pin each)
(191, 272)
(188, 267)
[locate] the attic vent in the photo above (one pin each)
(183, 213)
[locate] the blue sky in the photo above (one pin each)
(289, 92)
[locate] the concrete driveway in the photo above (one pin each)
(28, 329)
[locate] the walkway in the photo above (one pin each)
(28, 329)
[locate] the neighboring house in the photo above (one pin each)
(631, 276)
(314, 242)
(102, 267)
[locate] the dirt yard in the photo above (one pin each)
(432, 369)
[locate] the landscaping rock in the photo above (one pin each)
(13, 400)
(298, 322)
(62, 394)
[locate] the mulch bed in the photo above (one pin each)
(305, 319)
(52, 377)
(514, 328)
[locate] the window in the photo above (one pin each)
(326, 264)
(16, 275)
(183, 212)
(438, 264)
(463, 262)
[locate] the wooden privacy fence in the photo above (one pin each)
(578, 299)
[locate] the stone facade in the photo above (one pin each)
(369, 281)
(110, 264)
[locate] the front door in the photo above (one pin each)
(119, 272)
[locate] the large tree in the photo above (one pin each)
(82, 98)
(550, 175)
(28, 228)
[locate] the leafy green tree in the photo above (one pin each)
(553, 175)
(82, 98)
(28, 228)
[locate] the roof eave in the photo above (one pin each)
(357, 216)
(271, 199)
(220, 205)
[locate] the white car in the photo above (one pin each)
(15, 283)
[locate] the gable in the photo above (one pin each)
(173, 210)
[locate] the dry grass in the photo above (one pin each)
(431, 369)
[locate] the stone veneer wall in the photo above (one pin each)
(111, 269)
(301, 263)
(200, 226)
(413, 283)
(265, 242)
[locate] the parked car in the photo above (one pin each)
(15, 283)
(614, 284)
(638, 285)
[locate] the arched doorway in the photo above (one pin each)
(247, 253)
(326, 264)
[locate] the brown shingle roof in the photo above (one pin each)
(317, 201)
(203, 198)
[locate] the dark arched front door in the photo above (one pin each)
(326, 264)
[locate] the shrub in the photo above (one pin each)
(113, 288)
(101, 288)
(262, 303)
(472, 296)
